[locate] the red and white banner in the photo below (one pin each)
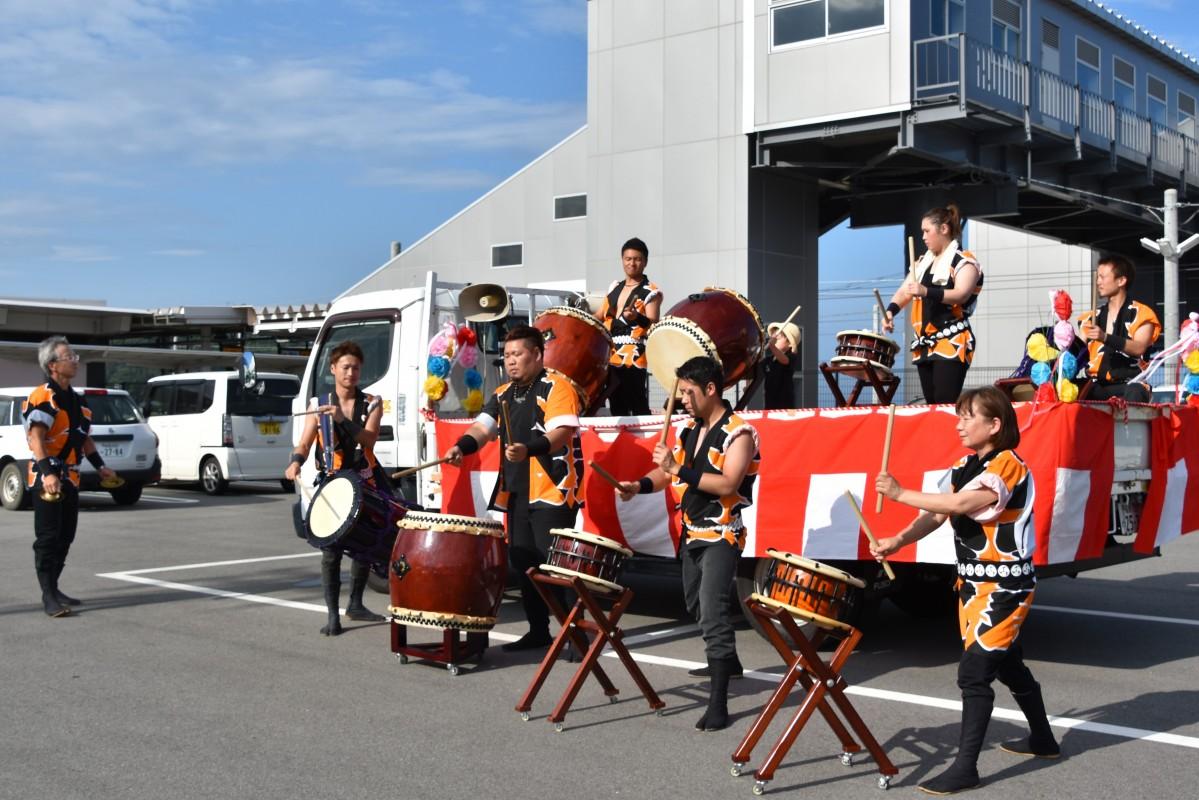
(811, 457)
(1174, 464)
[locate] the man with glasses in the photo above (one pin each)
(57, 423)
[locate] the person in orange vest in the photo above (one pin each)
(1118, 334)
(631, 306)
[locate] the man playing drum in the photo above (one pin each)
(1118, 334)
(712, 469)
(631, 307)
(345, 432)
(541, 477)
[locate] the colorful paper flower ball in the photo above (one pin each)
(1068, 365)
(435, 388)
(473, 403)
(1191, 362)
(1063, 305)
(1039, 349)
(1191, 384)
(1063, 334)
(1067, 392)
(1041, 372)
(472, 379)
(439, 366)
(468, 356)
(466, 336)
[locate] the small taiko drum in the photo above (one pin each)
(718, 323)
(349, 512)
(865, 347)
(447, 571)
(595, 559)
(578, 347)
(810, 590)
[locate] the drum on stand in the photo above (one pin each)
(578, 347)
(810, 590)
(864, 347)
(718, 323)
(447, 571)
(579, 554)
(350, 513)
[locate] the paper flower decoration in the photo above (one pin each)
(1063, 334)
(435, 388)
(1041, 372)
(1067, 365)
(439, 366)
(1063, 305)
(1039, 349)
(473, 379)
(473, 403)
(1067, 392)
(1191, 362)
(468, 356)
(1045, 393)
(466, 336)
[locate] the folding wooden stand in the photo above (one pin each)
(883, 381)
(605, 631)
(820, 681)
(452, 650)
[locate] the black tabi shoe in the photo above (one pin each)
(52, 607)
(66, 599)
(532, 640)
(1026, 747)
(951, 781)
(706, 672)
(363, 614)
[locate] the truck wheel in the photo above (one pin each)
(377, 583)
(126, 495)
(211, 479)
(13, 493)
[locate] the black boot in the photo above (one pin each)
(354, 609)
(50, 603)
(532, 640)
(717, 716)
(331, 581)
(706, 672)
(63, 598)
(1040, 741)
(963, 773)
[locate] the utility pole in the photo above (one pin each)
(1171, 252)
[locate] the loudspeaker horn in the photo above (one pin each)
(484, 302)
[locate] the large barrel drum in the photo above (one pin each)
(718, 323)
(578, 347)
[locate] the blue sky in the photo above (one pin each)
(173, 152)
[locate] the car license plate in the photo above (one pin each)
(110, 451)
(269, 428)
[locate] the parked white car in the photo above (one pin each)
(214, 430)
(122, 437)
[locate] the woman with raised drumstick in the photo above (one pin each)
(942, 287)
(345, 427)
(988, 500)
(712, 469)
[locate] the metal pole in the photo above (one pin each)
(1170, 261)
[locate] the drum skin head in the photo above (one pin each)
(671, 343)
(333, 509)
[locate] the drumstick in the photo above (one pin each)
(911, 253)
(878, 503)
(853, 501)
(507, 424)
(603, 473)
(412, 470)
(669, 411)
(306, 413)
(878, 298)
(788, 319)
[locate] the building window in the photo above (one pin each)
(1156, 100)
(507, 255)
(1186, 114)
(1051, 39)
(571, 206)
(1086, 59)
(1005, 27)
(947, 17)
(808, 20)
(1125, 83)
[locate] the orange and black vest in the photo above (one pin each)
(347, 452)
(1115, 366)
(67, 420)
(942, 330)
(708, 517)
(628, 337)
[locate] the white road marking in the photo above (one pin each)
(1142, 734)
(1117, 615)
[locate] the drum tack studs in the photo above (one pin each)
(759, 788)
(737, 768)
(847, 759)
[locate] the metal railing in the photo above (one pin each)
(957, 68)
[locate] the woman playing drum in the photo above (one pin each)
(943, 287)
(988, 501)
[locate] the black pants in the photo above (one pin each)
(1132, 392)
(708, 571)
(631, 393)
(54, 527)
(978, 670)
(528, 545)
(941, 379)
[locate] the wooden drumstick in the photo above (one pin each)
(878, 503)
(878, 298)
(507, 424)
(674, 390)
(788, 319)
(306, 413)
(404, 473)
(911, 253)
(603, 473)
(853, 502)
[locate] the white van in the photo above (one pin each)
(212, 429)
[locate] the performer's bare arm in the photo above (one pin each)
(737, 459)
(558, 439)
(657, 477)
(37, 446)
(940, 503)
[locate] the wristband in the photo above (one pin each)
(468, 444)
(95, 460)
(352, 427)
(689, 476)
(893, 309)
(935, 293)
(538, 446)
(296, 458)
(1116, 341)
(645, 485)
(45, 467)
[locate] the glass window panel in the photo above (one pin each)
(271, 396)
(1158, 112)
(957, 16)
(507, 255)
(570, 207)
(936, 18)
(373, 336)
(1126, 96)
(1088, 78)
(159, 401)
(798, 23)
(854, 15)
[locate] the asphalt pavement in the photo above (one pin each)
(195, 670)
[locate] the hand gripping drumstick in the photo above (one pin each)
(674, 390)
(878, 503)
(413, 470)
(603, 473)
(853, 502)
(878, 298)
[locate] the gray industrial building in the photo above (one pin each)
(731, 134)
